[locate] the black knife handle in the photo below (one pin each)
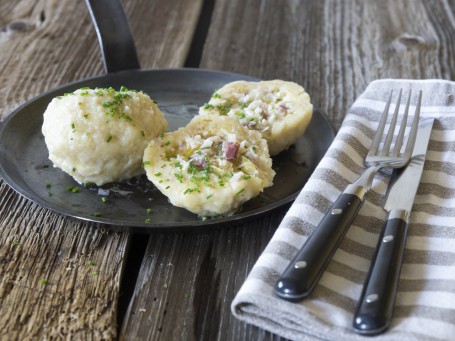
(375, 308)
(304, 271)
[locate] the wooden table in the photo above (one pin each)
(61, 278)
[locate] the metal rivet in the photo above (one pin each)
(336, 211)
(371, 298)
(300, 265)
(387, 239)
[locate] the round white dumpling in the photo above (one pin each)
(99, 135)
(211, 166)
(279, 110)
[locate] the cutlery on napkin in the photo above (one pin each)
(375, 308)
(425, 303)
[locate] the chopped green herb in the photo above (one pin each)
(149, 210)
(42, 281)
(209, 196)
(109, 139)
(90, 262)
(104, 200)
(167, 187)
(148, 221)
(142, 133)
(145, 163)
(69, 188)
(216, 95)
(240, 114)
(48, 184)
(208, 106)
(241, 191)
(191, 190)
(224, 109)
(97, 214)
(179, 177)
(75, 190)
(157, 174)
(167, 143)
(126, 117)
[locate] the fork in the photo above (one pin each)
(303, 272)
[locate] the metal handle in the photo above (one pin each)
(375, 308)
(304, 271)
(114, 35)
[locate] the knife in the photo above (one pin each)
(375, 308)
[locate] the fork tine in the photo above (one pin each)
(388, 141)
(399, 141)
(378, 136)
(413, 132)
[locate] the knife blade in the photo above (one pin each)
(375, 307)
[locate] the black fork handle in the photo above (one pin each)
(303, 272)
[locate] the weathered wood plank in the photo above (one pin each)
(333, 48)
(59, 277)
(187, 280)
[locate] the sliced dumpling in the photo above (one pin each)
(279, 110)
(211, 166)
(99, 135)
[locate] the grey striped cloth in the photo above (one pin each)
(425, 307)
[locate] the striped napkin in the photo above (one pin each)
(425, 306)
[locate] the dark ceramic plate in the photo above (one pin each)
(25, 166)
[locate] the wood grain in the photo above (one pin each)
(60, 277)
(334, 49)
(187, 281)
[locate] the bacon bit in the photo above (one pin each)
(198, 161)
(283, 107)
(230, 150)
(252, 124)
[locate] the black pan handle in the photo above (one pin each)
(114, 35)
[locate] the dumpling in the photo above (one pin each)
(279, 110)
(99, 135)
(211, 166)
